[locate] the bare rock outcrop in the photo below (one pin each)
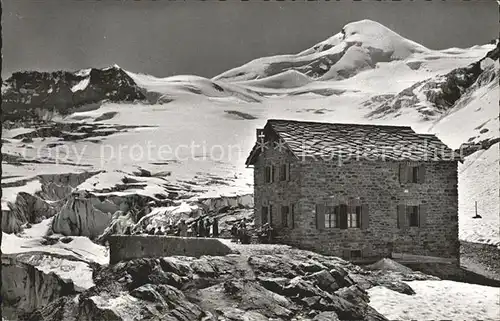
(26, 209)
(39, 95)
(297, 286)
(25, 288)
(440, 92)
(33, 208)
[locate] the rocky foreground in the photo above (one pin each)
(262, 282)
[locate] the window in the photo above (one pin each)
(332, 217)
(269, 174)
(265, 213)
(412, 212)
(355, 254)
(354, 217)
(284, 172)
(414, 173)
(411, 173)
(292, 223)
(285, 210)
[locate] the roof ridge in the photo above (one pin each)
(326, 123)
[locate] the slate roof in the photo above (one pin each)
(329, 141)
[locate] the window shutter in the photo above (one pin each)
(336, 211)
(320, 216)
(288, 171)
(343, 216)
(422, 212)
(402, 216)
(365, 218)
(291, 216)
(346, 254)
(421, 174)
(271, 215)
(403, 173)
(284, 216)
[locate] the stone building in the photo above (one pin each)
(361, 192)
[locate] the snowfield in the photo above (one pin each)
(478, 182)
(80, 248)
(438, 300)
(69, 261)
(9, 194)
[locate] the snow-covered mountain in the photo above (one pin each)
(358, 46)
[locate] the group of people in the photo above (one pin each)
(199, 228)
(150, 230)
(265, 234)
(204, 227)
(239, 232)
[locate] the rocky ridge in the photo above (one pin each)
(40, 95)
(435, 96)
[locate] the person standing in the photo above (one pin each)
(207, 227)
(243, 235)
(196, 228)
(201, 228)
(234, 232)
(215, 228)
(182, 228)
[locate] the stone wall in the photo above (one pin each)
(127, 247)
(278, 193)
(375, 184)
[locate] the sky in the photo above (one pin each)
(166, 38)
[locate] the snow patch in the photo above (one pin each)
(438, 300)
(80, 247)
(81, 85)
(9, 194)
(78, 272)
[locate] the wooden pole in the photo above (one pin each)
(476, 207)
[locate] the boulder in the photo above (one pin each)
(324, 280)
(326, 316)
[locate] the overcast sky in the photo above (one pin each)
(165, 38)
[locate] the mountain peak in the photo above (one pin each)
(114, 66)
(369, 33)
(360, 45)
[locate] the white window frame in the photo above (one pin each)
(331, 218)
(353, 218)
